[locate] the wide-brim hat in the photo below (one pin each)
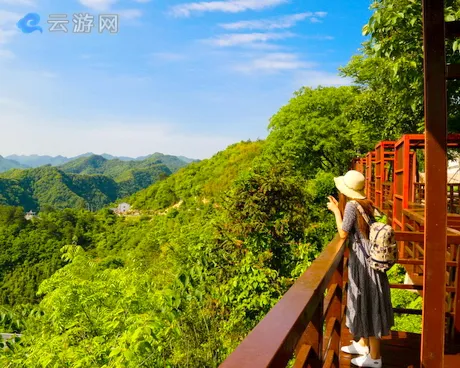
(351, 184)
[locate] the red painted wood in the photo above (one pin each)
(433, 335)
(273, 341)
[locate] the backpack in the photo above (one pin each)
(383, 248)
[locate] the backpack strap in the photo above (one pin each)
(363, 213)
(367, 219)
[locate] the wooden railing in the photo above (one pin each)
(387, 188)
(411, 253)
(304, 327)
(453, 196)
(305, 324)
(372, 191)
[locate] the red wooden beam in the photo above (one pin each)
(434, 277)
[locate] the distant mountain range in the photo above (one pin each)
(33, 161)
(88, 181)
(7, 164)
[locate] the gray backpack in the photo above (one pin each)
(383, 252)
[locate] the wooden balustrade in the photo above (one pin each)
(411, 253)
(305, 325)
(387, 188)
(453, 196)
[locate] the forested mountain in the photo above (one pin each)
(87, 182)
(118, 169)
(180, 286)
(35, 189)
(37, 160)
(8, 164)
(206, 180)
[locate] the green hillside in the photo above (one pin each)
(35, 189)
(38, 188)
(118, 169)
(88, 182)
(7, 164)
(202, 180)
(33, 161)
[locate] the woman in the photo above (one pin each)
(369, 311)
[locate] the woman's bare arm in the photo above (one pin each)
(339, 222)
(333, 206)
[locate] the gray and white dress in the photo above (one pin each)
(369, 309)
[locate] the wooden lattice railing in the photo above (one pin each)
(305, 324)
(411, 253)
(387, 188)
(453, 196)
(304, 327)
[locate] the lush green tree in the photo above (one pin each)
(389, 71)
(312, 131)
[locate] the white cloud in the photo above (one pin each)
(284, 22)
(274, 62)
(229, 6)
(320, 38)
(168, 56)
(6, 55)
(19, 2)
(8, 18)
(237, 39)
(107, 5)
(142, 1)
(129, 13)
(6, 36)
(314, 78)
(320, 14)
(98, 5)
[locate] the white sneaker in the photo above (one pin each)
(367, 361)
(355, 348)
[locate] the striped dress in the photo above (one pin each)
(369, 309)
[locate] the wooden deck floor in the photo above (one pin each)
(401, 350)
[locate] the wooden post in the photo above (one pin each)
(314, 338)
(434, 277)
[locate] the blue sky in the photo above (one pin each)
(180, 77)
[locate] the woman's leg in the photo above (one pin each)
(363, 341)
(374, 345)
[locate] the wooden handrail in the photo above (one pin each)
(273, 341)
(294, 326)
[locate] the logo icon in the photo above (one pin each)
(30, 23)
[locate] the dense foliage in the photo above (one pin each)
(205, 180)
(120, 170)
(389, 71)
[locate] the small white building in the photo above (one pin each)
(123, 208)
(30, 215)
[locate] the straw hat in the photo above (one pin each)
(351, 184)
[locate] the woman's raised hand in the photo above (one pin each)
(332, 205)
